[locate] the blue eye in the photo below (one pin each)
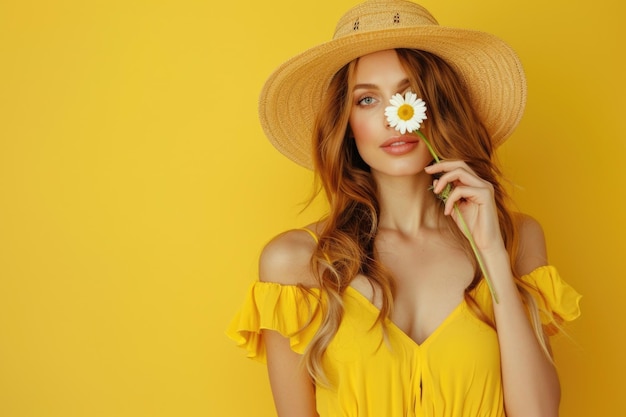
(366, 101)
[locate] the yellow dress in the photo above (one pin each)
(455, 372)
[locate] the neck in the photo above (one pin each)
(407, 205)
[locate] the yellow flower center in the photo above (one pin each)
(405, 112)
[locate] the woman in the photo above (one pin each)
(397, 304)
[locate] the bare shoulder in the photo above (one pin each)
(532, 252)
(286, 259)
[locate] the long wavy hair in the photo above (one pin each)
(346, 243)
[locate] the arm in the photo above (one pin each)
(530, 382)
(285, 260)
(292, 389)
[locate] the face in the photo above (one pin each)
(378, 76)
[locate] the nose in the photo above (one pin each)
(386, 121)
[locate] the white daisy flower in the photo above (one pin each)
(406, 113)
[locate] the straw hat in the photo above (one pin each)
(292, 95)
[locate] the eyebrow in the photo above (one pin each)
(402, 84)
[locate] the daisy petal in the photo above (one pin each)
(397, 119)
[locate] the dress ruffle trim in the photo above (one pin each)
(557, 301)
(295, 312)
(288, 309)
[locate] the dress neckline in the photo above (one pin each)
(363, 300)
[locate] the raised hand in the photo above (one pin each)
(474, 199)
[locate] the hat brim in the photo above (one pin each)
(492, 72)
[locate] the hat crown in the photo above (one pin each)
(375, 15)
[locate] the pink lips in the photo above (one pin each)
(399, 145)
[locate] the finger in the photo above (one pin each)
(445, 166)
(455, 196)
(459, 176)
(464, 193)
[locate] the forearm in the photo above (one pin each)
(530, 381)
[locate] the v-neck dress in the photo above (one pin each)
(455, 372)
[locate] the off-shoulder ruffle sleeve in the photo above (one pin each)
(288, 309)
(557, 301)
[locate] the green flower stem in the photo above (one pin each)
(466, 231)
(430, 148)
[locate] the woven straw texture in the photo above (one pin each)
(292, 95)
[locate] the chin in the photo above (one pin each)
(401, 171)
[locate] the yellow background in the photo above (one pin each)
(137, 189)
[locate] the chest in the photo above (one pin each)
(430, 278)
